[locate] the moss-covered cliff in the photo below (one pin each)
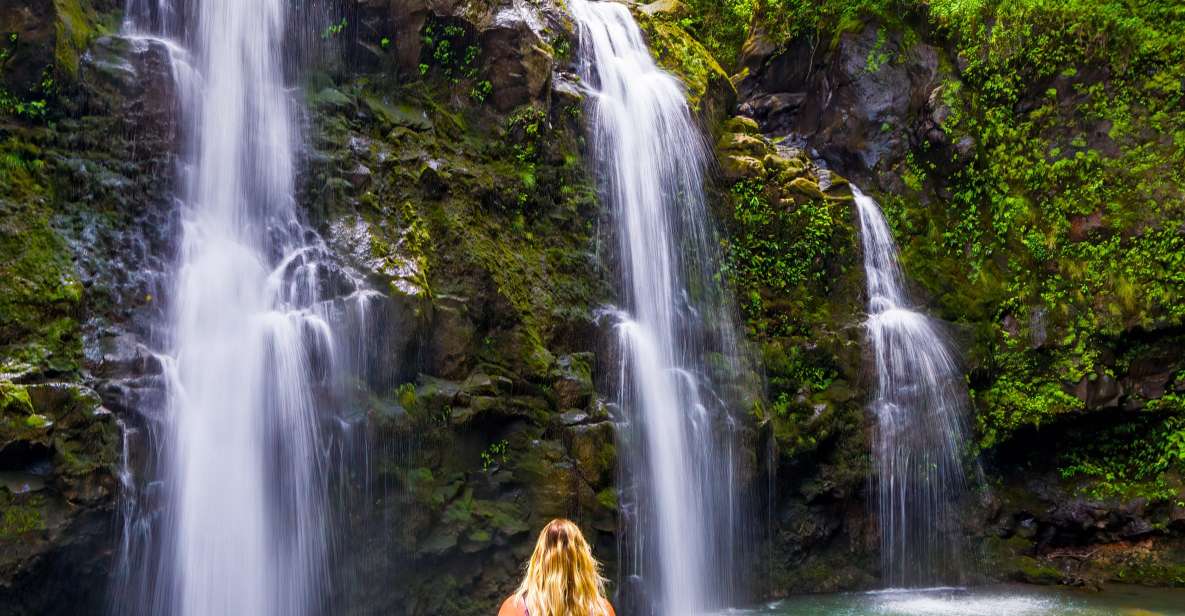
(84, 134)
(1028, 156)
(479, 219)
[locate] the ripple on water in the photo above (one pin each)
(958, 605)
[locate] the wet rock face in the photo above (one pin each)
(44, 40)
(859, 103)
(95, 218)
(489, 459)
(1042, 529)
(783, 208)
(58, 449)
(473, 224)
(513, 40)
(1094, 502)
(133, 80)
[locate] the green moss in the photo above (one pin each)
(1019, 397)
(77, 25)
(677, 51)
(41, 294)
(823, 21)
(788, 249)
(1150, 572)
(777, 246)
(684, 56)
(14, 400)
(721, 25)
(494, 212)
(20, 518)
(608, 498)
(1009, 559)
(1033, 572)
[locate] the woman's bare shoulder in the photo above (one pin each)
(609, 608)
(512, 606)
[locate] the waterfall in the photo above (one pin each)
(680, 498)
(920, 410)
(233, 516)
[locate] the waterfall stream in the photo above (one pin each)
(234, 518)
(920, 408)
(679, 485)
(248, 532)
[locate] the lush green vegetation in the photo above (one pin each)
(1057, 242)
(1071, 208)
(721, 25)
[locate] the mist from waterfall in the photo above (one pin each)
(920, 406)
(680, 484)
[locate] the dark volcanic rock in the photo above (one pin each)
(859, 102)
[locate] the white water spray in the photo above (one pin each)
(920, 409)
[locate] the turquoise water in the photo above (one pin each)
(986, 601)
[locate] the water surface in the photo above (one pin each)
(986, 601)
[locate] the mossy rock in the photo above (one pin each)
(741, 124)
(737, 168)
(742, 144)
(77, 25)
(806, 188)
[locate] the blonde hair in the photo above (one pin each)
(563, 578)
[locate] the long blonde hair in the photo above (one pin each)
(563, 578)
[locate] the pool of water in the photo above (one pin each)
(985, 601)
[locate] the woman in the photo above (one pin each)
(563, 578)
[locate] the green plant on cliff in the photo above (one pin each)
(336, 28)
(21, 518)
(1048, 224)
(494, 455)
(775, 249)
(1130, 459)
(406, 395)
(450, 49)
(1083, 197)
(481, 91)
(33, 105)
(786, 20)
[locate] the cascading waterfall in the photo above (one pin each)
(920, 409)
(233, 518)
(679, 484)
